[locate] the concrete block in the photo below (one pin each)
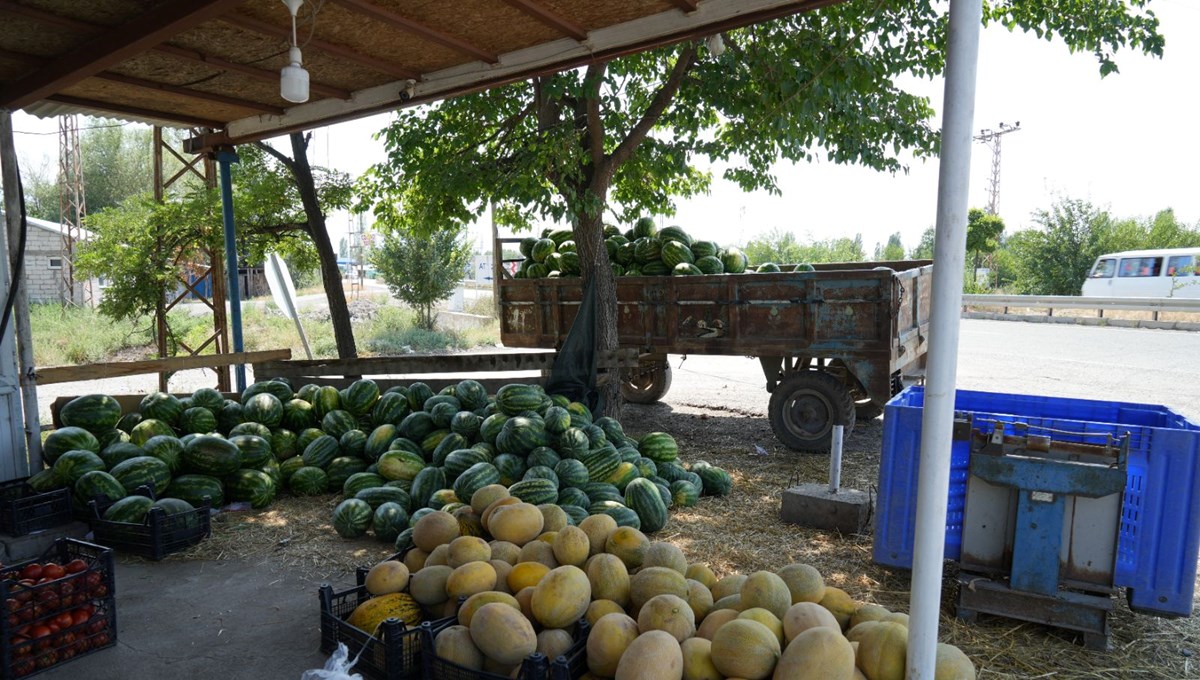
(848, 511)
(21, 548)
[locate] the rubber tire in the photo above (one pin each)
(821, 392)
(866, 409)
(659, 373)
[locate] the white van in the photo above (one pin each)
(1170, 272)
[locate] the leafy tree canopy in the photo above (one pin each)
(782, 247)
(421, 270)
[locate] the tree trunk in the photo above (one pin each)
(339, 312)
(594, 265)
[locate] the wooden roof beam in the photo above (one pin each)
(686, 5)
(42, 16)
(266, 28)
(112, 46)
(137, 112)
(551, 18)
(188, 92)
(387, 16)
(30, 59)
(246, 69)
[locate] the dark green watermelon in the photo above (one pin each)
(167, 449)
(388, 520)
(74, 464)
(143, 471)
(308, 481)
(210, 455)
(207, 397)
(68, 439)
(360, 397)
(150, 427)
(119, 453)
(251, 486)
(230, 416)
(98, 486)
(197, 419)
(298, 415)
(255, 450)
(195, 488)
(161, 406)
(391, 409)
(284, 444)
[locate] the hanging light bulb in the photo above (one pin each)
(716, 45)
(293, 79)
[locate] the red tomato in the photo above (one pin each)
(32, 572)
(39, 631)
(64, 620)
(79, 616)
(54, 627)
(76, 566)
(52, 571)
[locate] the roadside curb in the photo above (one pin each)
(1087, 321)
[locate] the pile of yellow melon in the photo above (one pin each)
(653, 616)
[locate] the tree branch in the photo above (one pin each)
(662, 99)
(278, 155)
(595, 123)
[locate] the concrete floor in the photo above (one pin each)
(225, 619)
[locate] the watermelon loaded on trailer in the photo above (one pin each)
(835, 341)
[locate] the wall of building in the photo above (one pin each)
(45, 285)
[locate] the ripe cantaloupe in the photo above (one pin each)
(607, 642)
(839, 604)
(525, 599)
(730, 585)
(766, 618)
(882, 651)
(867, 612)
(428, 586)
(765, 589)
(518, 523)
(554, 518)
(438, 557)
(434, 529)
(571, 546)
(670, 614)
(699, 598)
(466, 549)
(817, 654)
(486, 517)
(548, 537)
(562, 597)
(370, 614)
(804, 615)
(697, 660)
(554, 642)
(470, 578)
(503, 569)
(702, 573)
(804, 582)
(473, 603)
(503, 550)
(525, 575)
(454, 644)
(598, 528)
(485, 496)
(663, 554)
(896, 617)
(502, 633)
(652, 656)
(952, 664)
(745, 649)
(389, 576)
(538, 551)
(715, 619)
(653, 581)
(857, 633)
(629, 544)
(609, 578)
(599, 608)
(415, 559)
(729, 602)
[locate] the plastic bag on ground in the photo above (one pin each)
(336, 668)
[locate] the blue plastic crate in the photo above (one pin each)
(1159, 536)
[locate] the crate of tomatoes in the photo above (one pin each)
(57, 607)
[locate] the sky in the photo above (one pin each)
(1128, 142)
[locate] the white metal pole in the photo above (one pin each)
(937, 421)
(835, 458)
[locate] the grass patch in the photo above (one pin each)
(65, 336)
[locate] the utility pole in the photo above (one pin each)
(72, 208)
(992, 139)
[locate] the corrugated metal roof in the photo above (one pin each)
(55, 227)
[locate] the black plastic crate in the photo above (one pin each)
(24, 511)
(535, 666)
(34, 636)
(155, 538)
(393, 654)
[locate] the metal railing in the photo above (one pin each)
(1050, 303)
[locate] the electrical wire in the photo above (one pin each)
(18, 265)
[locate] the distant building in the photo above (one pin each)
(44, 264)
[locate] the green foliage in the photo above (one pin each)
(892, 252)
(65, 336)
(421, 270)
(924, 249)
(1055, 259)
(782, 247)
(983, 233)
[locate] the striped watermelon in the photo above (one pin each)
(298, 415)
(251, 486)
(143, 471)
(256, 429)
(68, 439)
(416, 426)
(425, 484)
(376, 496)
(623, 475)
(359, 481)
(543, 455)
(161, 406)
(167, 449)
(230, 416)
(520, 436)
(306, 437)
(288, 468)
(360, 397)
(148, 428)
(460, 460)
(472, 394)
(466, 424)
(353, 443)
(255, 450)
(308, 481)
(475, 478)
(511, 468)
(515, 398)
(130, 509)
(379, 440)
(99, 486)
(601, 491)
(320, 452)
(195, 488)
(491, 426)
(197, 419)
(207, 397)
(127, 421)
(535, 491)
(284, 444)
(402, 444)
(119, 453)
(659, 447)
(388, 521)
(351, 518)
(341, 468)
(279, 388)
(391, 408)
(624, 516)
(684, 494)
(573, 496)
(418, 393)
(326, 399)
(337, 423)
(451, 442)
(92, 412)
(571, 472)
(601, 464)
(400, 465)
(643, 497)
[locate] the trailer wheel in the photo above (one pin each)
(647, 383)
(805, 407)
(865, 409)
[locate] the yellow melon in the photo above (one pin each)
(504, 670)
(554, 518)
(745, 649)
(858, 675)
(434, 529)
(629, 544)
(817, 654)
(571, 546)
(548, 537)
(729, 602)
(466, 549)
(653, 581)
(952, 664)
(485, 496)
(766, 618)
(470, 578)
(699, 598)
(652, 656)
(368, 615)
(415, 559)
(428, 586)
(730, 585)
(670, 614)
(554, 642)
(867, 612)
(839, 604)
(598, 528)
(804, 582)
(882, 652)
(526, 574)
(804, 615)
(503, 569)
(715, 619)
(386, 577)
(607, 642)
(701, 572)
(445, 610)
(663, 554)
(473, 603)
(562, 597)
(858, 632)
(896, 617)
(697, 660)
(486, 517)
(525, 599)
(538, 551)
(454, 644)
(503, 550)
(600, 608)
(765, 589)
(439, 556)
(609, 578)
(518, 523)
(502, 633)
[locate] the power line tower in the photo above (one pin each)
(992, 139)
(72, 208)
(355, 269)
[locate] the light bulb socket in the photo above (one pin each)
(293, 83)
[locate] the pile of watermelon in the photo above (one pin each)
(430, 452)
(641, 251)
